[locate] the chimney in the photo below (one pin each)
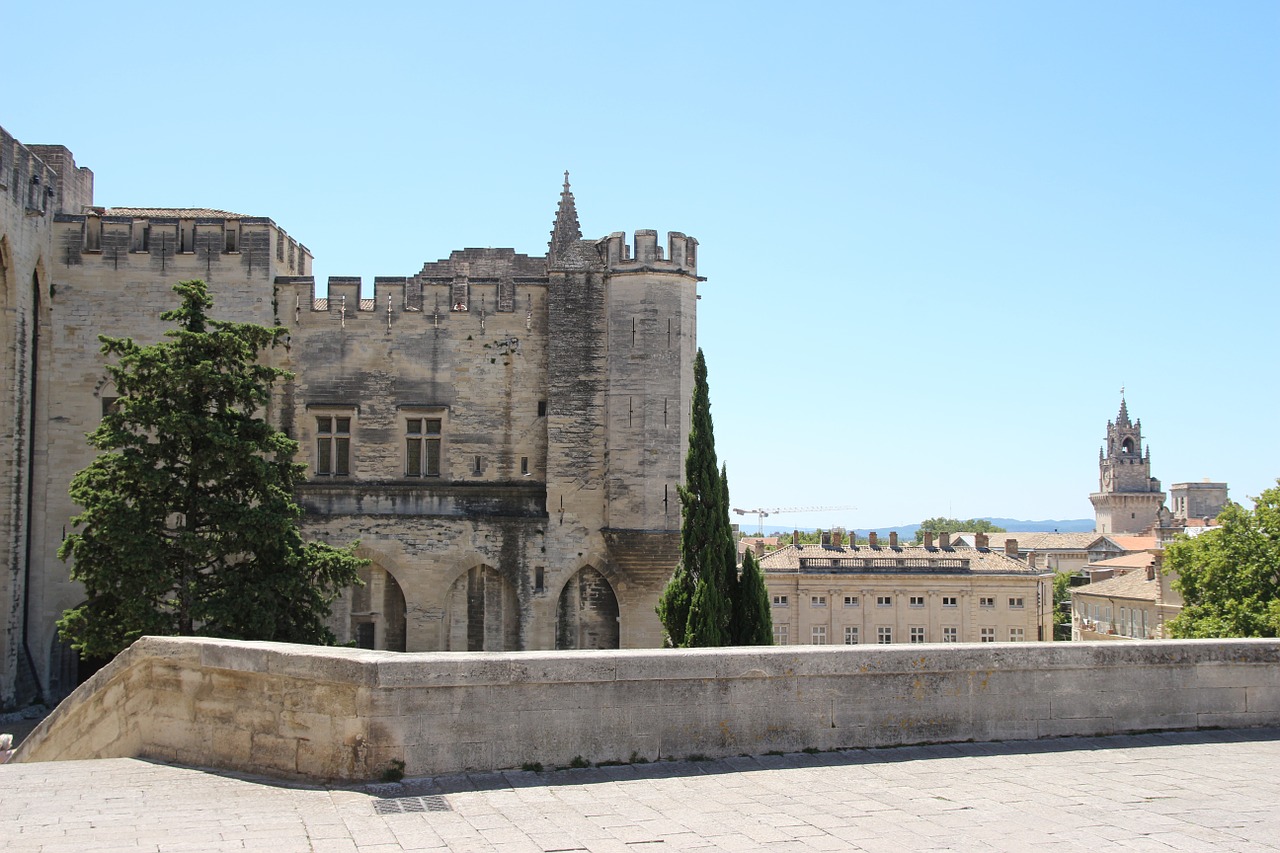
(1032, 559)
(893, 539)
(837, 538)
(928, 540)
(1151, 572)
(980, 540)
(757, 547)
(872, 539)
(795, 537)
(824, 538)
(944, 540)
(1011, 548)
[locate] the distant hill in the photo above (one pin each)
(908, 531)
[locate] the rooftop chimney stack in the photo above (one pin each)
(872, 539)
(944, 540)
(980, 540)
(1011, 548)
(893, 539)
(928, 540)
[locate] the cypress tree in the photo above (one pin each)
(752, 617)
(696, 606)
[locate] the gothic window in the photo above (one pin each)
(333, 446)
(422, 447)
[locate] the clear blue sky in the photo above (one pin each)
(939, 236)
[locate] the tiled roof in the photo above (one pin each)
(1134, 543)
(173, 212)
(1132, 585)
(1140, 560)
(905, 559)
(1039, 540)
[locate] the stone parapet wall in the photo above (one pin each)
(322, 713)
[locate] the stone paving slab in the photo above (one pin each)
(1188, 791)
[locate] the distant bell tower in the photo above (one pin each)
(1128, 497)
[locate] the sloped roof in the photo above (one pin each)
(1034, 540)
(881, 559)
(174, 212)
(1139, 560)
(1132, 585)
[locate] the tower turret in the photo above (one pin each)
(1128, 497)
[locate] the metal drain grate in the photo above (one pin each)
(412, 805)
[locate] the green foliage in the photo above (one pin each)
(953, 525)
(1229, 577)
(393, 772)
(1062, 606)
(752, 615)
(696, 606)
(189, 524)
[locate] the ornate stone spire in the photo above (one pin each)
(566, 230)
(1123, 418)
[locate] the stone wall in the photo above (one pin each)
(316, 713)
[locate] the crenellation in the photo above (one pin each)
(465, 423)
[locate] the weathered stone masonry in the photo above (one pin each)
(502, 433)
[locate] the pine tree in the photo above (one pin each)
(696, 606)
(189, 524)
(752, 615)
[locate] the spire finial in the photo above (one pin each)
(566, 229)
(1124, 410)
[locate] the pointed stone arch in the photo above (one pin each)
(587, 612)
(378, 611)
(482, 612)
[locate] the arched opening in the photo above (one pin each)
(378, 611)
(482, 613)
(67, 670)
(587, 613)
(1126, 447)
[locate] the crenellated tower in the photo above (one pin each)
(1128, 497)
(621, 339)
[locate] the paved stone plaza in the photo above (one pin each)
(1212, 790)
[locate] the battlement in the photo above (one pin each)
(434, 299)
(34, 183)
(680, 256)
(170, 233)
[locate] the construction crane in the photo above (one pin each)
(776, 510)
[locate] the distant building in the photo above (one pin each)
(1136, 602)
(1050, 550)
(943, 593)
(1128, 497)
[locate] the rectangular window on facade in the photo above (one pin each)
(950, 601)
(916, 601)
(851, 601)
(478, 468)
(819, 635)
(422, 437)
(333, 446)
(950, 634)
(917, 635)
(884, 601)
(987, 635)
(1017, 635)
(524, 466)
(780, 601)
(984, 601)
(884, 635)
(780, 635)
(851, 635)
(540, 579)
(817, 601)
(1016, 603)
